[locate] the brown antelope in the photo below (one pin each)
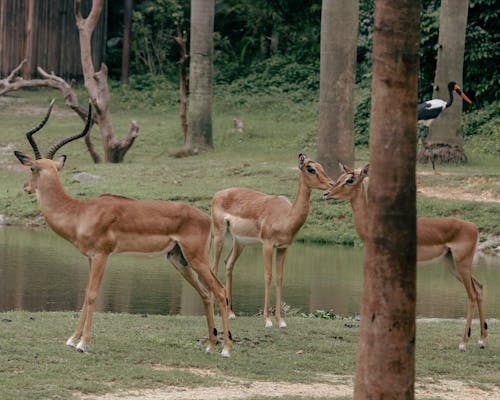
(253, 217)
(451, 238)
(113, 224)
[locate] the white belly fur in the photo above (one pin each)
(245, 231)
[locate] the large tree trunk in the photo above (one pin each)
(339, 38)
(200, 74)
(445, 138)
(386, 351)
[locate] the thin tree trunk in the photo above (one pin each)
(128, 5)
(200, 74)
(28, 45)
(180, 39)
(445, 131)
(339, 38)
(386, 351)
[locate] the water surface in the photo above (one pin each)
(41, 271)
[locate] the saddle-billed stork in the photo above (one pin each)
(430, 110)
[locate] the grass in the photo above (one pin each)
(139, 352)
(264, 158)
(127, 349)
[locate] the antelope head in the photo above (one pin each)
(313, 174)
(347, 185)
(47, 166)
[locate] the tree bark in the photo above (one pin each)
(386, 350)
(128, 6)
(96, 84)
(445, 131)
(180, 39)
(200, 75)
(339, 37)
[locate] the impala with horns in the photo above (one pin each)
(252, 217)
(112, 224)
(450, 238)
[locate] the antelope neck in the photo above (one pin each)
(300, 207)
(359, 211)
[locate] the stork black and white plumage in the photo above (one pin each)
(430, 110)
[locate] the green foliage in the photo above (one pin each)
(482, 50)
(154, 25)
(146, 91)
(322, 314)
(262, 45)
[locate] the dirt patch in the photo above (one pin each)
(457, 193)
(470, 189)
(337, 386)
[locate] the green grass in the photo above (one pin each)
(264, 158)
(34, 363)
(138, 352)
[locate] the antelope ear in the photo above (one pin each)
(60, 162)
(302, 160)
(364, 172)
(344, 169)
(23, 158)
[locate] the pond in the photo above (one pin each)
(39, 271)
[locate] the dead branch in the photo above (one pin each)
(13, 82)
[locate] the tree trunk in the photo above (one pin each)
(339, 35)
(96, 84)
(128, 6)
(445, 131)
(200, 74)
(386, 350)
(180, 39)
(28, 45)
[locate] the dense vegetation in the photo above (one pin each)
(269, 47)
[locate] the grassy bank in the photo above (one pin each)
(130, 351)
(138, 352)
(263, 157)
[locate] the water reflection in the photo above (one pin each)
(40, 271)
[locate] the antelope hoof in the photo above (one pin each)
(71, 342)
(461, 347)
(210, 348)
(283, 324)
(80, 347)
(269, 323)
(481, 344)
(225, 352)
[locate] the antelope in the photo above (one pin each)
(450, 238)
(252, 217)
(111, 224)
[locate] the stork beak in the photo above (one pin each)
(462, 94)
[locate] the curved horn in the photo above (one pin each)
(36, 129)
(86, 130)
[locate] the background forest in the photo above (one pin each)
(274, 47)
